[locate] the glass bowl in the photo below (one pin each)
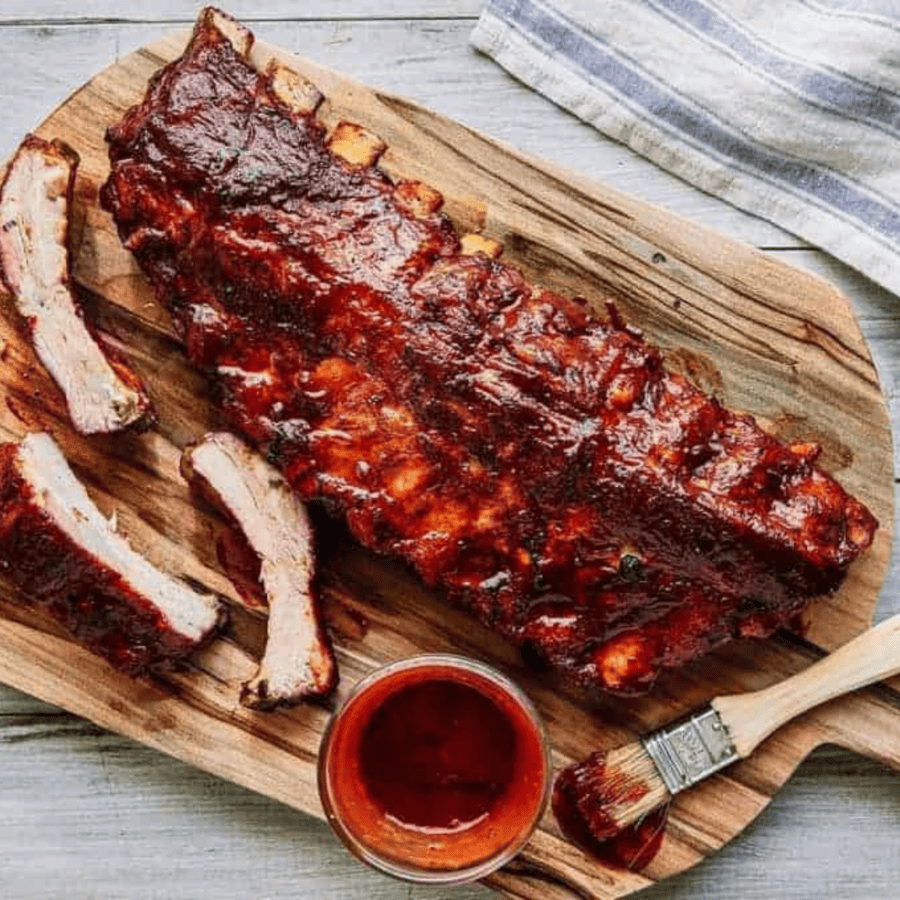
(435, 769)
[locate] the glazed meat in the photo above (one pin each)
(530, 462)
(102, 394)
(298, 663)
(69, 561)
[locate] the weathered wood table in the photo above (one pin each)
(87, 814)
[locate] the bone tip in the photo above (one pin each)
(313, 683)
(420, 199)
(239, 36)
(54, 151)
(471, 244)
(296, 92)
(186, 462)
(355, 145)
(57, 163)
(256, 694)
(132, 413)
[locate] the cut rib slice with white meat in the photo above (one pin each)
(67, 559)
(102, 395)
(298, 662)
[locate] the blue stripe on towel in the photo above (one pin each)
(883, 11)
(593, 56)
(852, 98)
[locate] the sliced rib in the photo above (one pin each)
(102, 394)
(68, 559)
(298, 663)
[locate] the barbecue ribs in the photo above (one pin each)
(298, 663)
(534, 464)
(102, 394)
(69, 561)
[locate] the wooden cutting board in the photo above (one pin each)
(759, 335)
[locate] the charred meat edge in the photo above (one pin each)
(102, 395)
(298, 663)
(68, 560)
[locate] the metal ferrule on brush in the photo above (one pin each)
(687, 753)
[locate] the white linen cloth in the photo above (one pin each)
(789, 109)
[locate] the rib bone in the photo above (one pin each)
(420, 199)
(295, 91)
(298, 662)
(35, 200)
(470, 244)
(238, 35)
(355, 145)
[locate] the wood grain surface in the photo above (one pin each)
(762, 336)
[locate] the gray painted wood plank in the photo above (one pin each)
(89, 815)
(249, 10)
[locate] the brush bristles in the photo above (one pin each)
(617, 790)
(635, 785)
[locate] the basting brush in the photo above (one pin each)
(617, 789)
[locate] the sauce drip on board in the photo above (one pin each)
(434, 771)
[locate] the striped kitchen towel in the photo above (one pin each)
(789, 109)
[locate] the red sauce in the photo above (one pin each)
(434, 768)
(438, 755)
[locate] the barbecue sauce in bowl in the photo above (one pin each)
(435, 769)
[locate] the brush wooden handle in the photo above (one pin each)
(873, 655)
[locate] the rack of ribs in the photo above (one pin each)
(533, 463)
